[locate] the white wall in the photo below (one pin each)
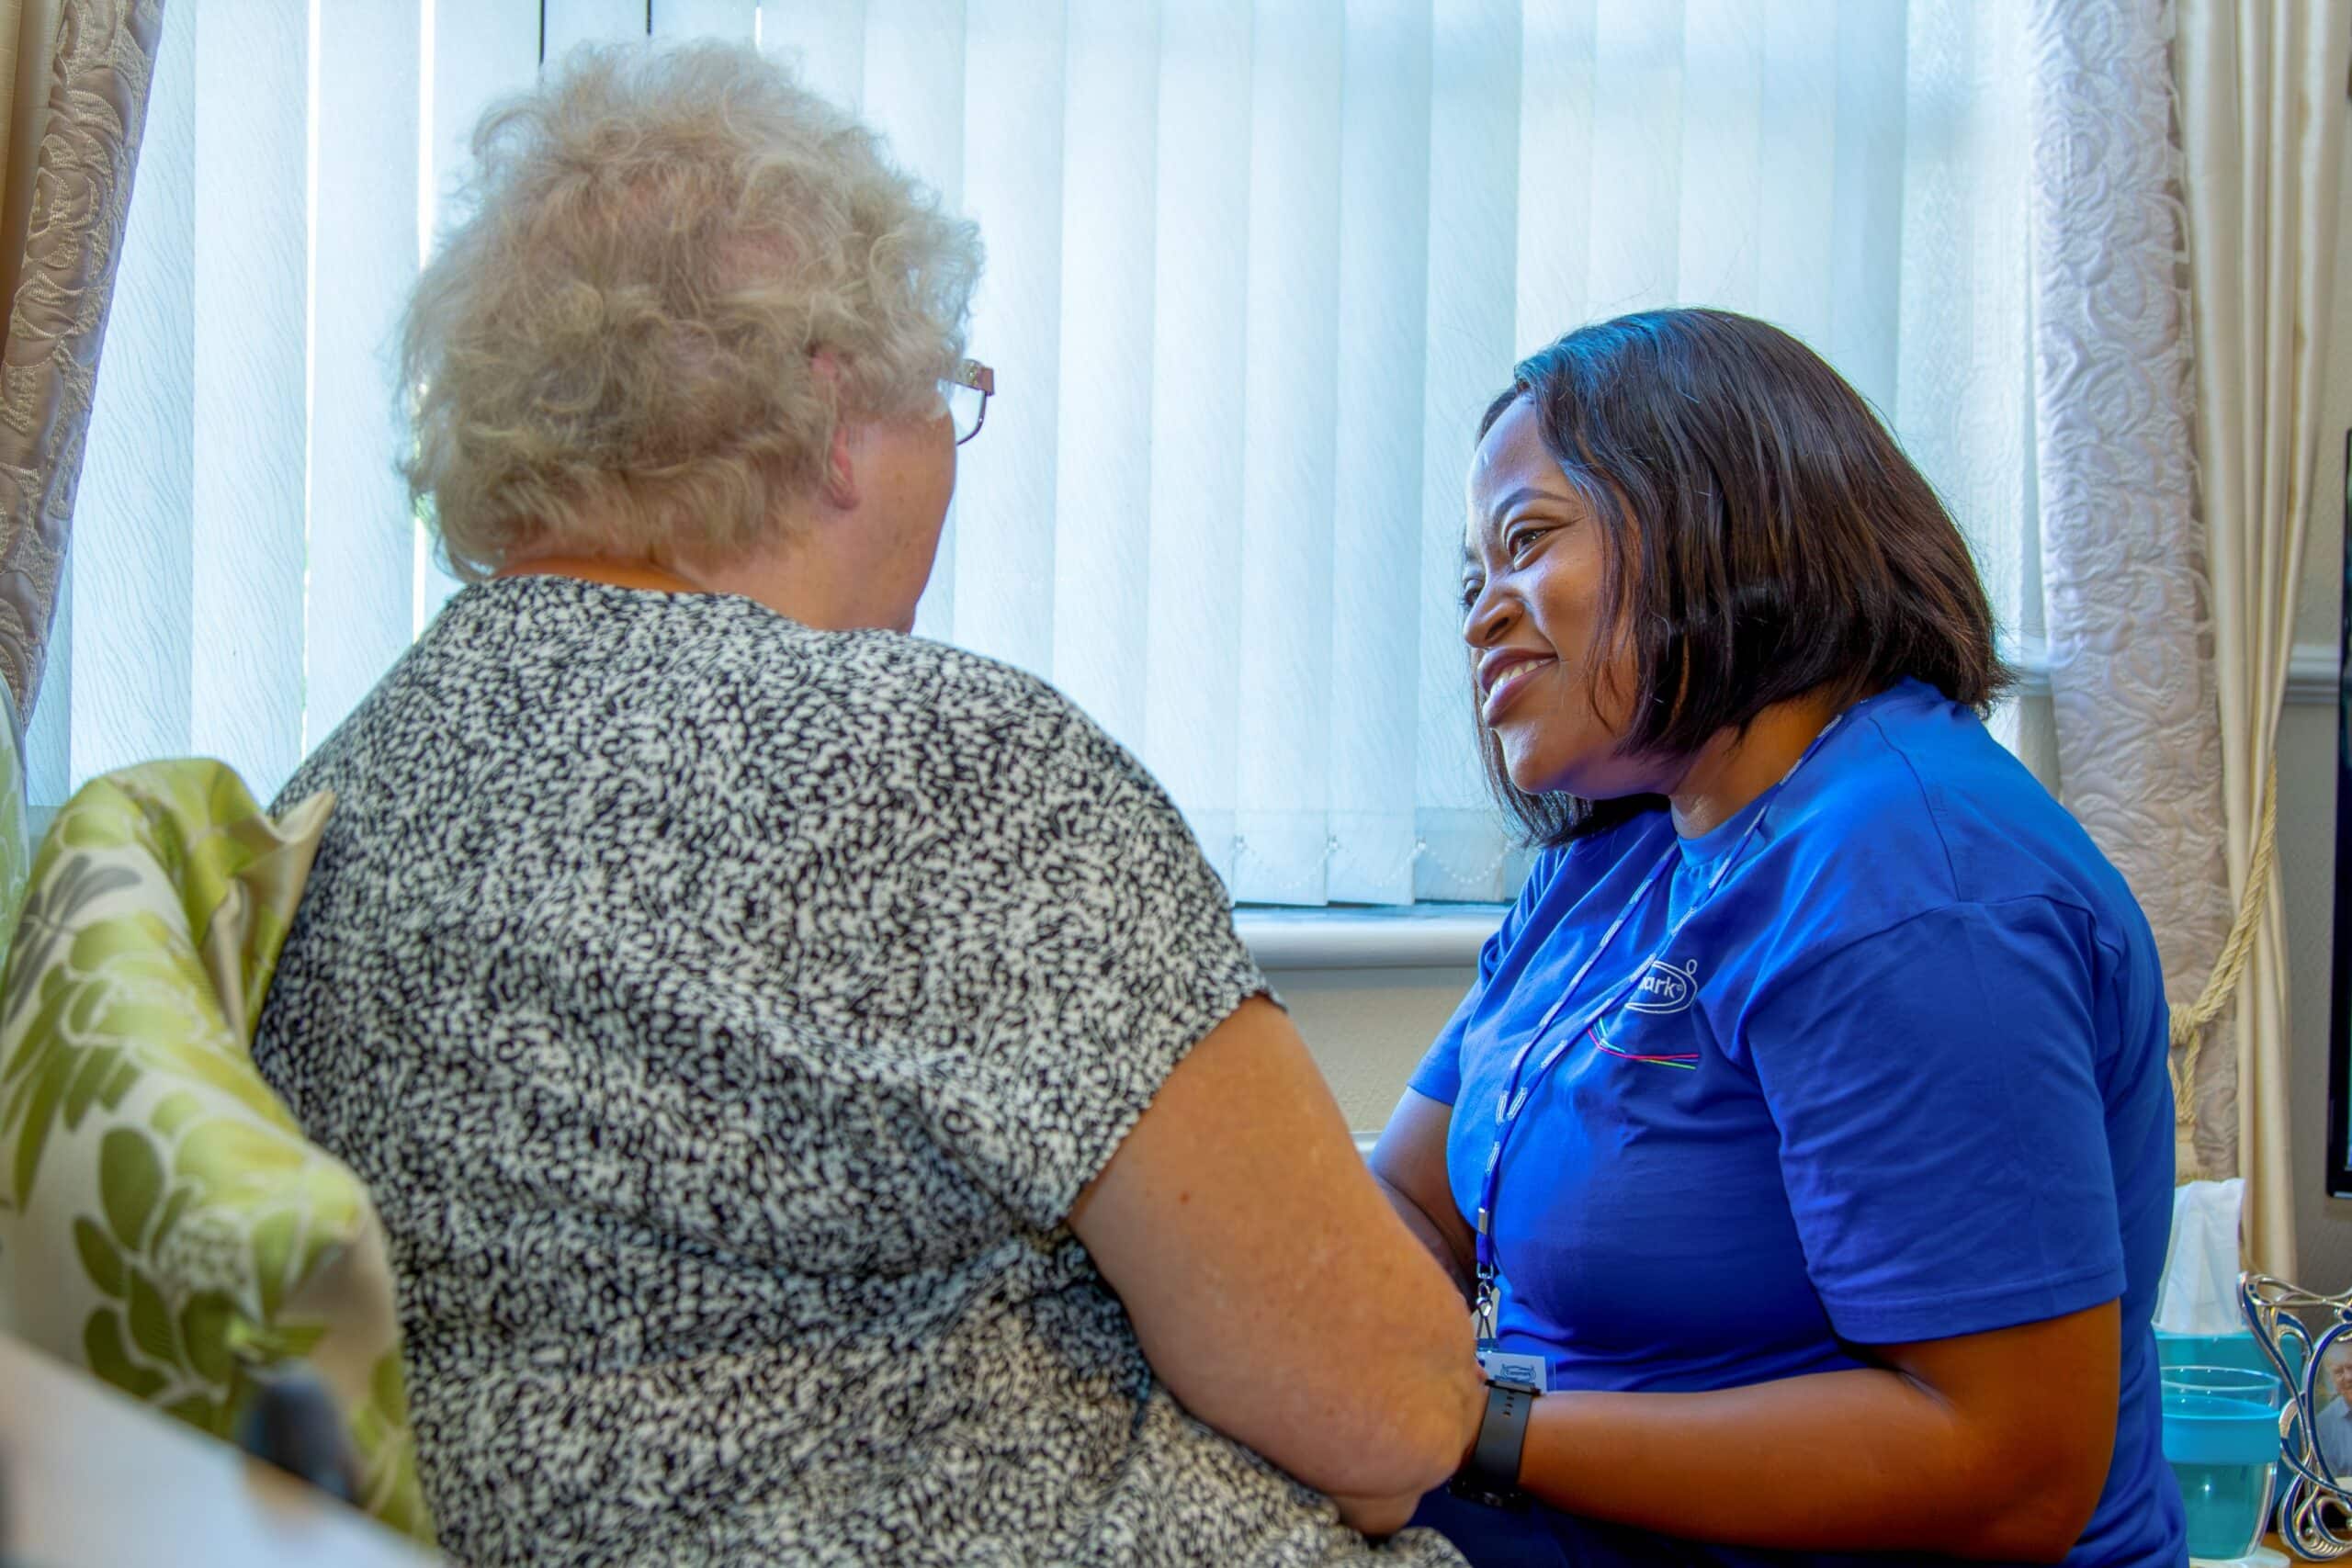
(2306, 867)
(1369, 1027)
(2307, 825)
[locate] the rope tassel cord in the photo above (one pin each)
(2190, 1025)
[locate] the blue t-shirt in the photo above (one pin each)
(1901, 1077)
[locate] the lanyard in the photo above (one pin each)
(1515, 1095)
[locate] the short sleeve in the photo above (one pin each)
(1079, 947)
(1942, 1134)
(1438, 1076)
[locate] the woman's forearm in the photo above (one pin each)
(1857, 1461)
(1425, 1230)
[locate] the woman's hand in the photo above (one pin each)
(1991, 1445)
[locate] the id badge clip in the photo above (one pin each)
(1499, 1365)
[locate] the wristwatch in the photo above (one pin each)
(1490, 1475)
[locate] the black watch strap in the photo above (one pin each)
(1492, 1474)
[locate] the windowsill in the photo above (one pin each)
(2311, 670)
(2313, 673)
(1425, 936)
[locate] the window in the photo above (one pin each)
(1254, 271)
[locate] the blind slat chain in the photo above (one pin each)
(2188, 1026)
(1243, 851)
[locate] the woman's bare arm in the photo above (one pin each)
(1272, 1288)
(1991, 1445)
(1410, 1164)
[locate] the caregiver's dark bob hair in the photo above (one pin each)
(1764, 536)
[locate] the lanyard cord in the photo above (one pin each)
(1514, 1097)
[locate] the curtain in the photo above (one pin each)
(1255, 269)
(2138, 736)
(27, 45)
(245, 567)
(73, 83)
(1255, 266)
(2262, 117)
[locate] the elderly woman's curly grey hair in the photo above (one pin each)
(679, 271)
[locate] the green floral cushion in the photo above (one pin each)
(163, 1221)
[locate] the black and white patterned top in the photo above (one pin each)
(725, 1016)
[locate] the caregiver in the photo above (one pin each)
(1806, 1133)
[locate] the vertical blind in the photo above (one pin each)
(1254, 269)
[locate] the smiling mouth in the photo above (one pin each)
(1508, 684)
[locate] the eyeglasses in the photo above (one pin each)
(967, 392)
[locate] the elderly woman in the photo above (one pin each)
(817, 1098)
(1805, 1139)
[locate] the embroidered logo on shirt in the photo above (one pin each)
(1663, 988)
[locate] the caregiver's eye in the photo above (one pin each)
(1520, 540)
(1471, 588)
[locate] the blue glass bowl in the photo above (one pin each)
(2238, 1349)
